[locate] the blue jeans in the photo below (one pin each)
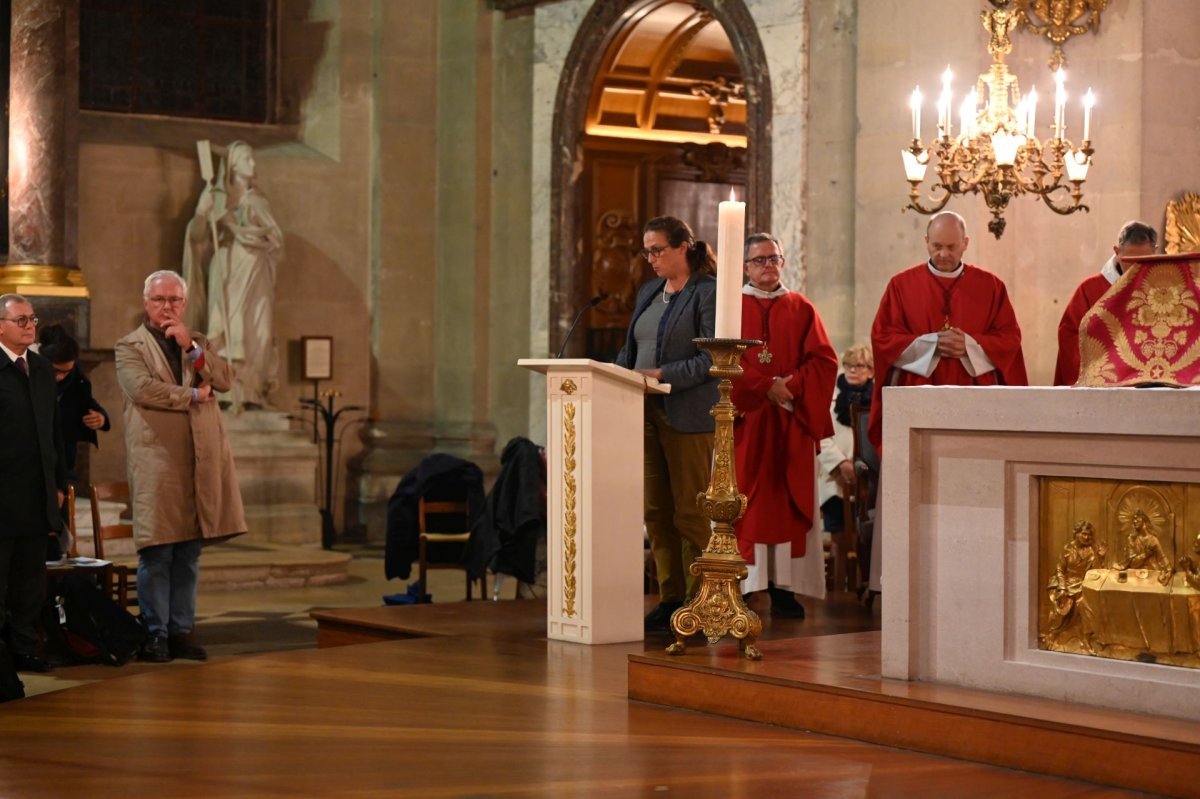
(166, 587)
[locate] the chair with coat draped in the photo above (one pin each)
(430, 516)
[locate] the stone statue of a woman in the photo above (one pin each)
(232, 250)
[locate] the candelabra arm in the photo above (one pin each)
(914, 200)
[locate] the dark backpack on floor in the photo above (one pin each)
(92, 628)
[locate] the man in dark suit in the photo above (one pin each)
(32, 478)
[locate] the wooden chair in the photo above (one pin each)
(846, 567)
(442, 549)
(124, 578)
(69, 512)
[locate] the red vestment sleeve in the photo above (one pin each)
(1001, 339)
(1087, 294)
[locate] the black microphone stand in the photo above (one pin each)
(592, 303)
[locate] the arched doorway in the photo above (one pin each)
(642, 129)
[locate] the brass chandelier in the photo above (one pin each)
(997, 152)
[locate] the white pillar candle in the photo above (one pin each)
(731, 238)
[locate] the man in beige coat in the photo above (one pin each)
(183, 487)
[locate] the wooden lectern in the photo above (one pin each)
(594, 550)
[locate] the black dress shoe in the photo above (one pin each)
(155, 650)
(31, 663)
(660, 617)
(183, 646)
(784, 604)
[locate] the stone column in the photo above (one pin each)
(43, 99)
(430, 275)
(36, 129)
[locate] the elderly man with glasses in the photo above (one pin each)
(784, 396)
(183, 487)
(33, 477)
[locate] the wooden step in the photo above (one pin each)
(831, 684)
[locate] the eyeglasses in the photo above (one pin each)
(167, 300)
(849, 366)
(652, 252)
(766, 260)
(21, 321)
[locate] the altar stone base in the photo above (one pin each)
(960, 532)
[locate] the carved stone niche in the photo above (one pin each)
(1119, 570)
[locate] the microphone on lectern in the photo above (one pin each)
(592, 303)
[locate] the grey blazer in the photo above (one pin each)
(685, 366)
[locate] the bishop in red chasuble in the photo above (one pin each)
(783, 401)
(944, 323)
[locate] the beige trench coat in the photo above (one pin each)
(181, 475)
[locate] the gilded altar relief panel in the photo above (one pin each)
(1119, 569)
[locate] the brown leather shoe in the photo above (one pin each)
(186, 648)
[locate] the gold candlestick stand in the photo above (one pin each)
(717, 609)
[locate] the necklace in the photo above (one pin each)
(947, 290)
(765, 355)
(667, 297)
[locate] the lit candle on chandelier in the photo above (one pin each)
(1060, 103)
(731, 237)
(967, 114)
(945, 112)
(1089, 100)
(915, 103)
(1031, 108)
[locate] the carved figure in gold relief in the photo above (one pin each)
(1143, 549)
(1189, 568)
(1134, 600)
(1068, 607)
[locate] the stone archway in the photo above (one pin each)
(602, 22)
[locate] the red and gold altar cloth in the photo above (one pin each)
(1146, 329)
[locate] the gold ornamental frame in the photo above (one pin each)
(1059, 20)
(1182, 232)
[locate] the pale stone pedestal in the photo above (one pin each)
(959, 528)
(594, 550)
(277, 473)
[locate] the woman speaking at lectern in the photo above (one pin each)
(678, 305)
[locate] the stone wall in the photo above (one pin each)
(139, 181)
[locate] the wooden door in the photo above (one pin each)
(624, 184)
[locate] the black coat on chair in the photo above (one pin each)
(441, 477)
(506, 536)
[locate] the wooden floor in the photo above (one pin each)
(465, 716)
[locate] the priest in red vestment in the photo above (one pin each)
(1135, 238)
(944, 323)
(783, 399)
